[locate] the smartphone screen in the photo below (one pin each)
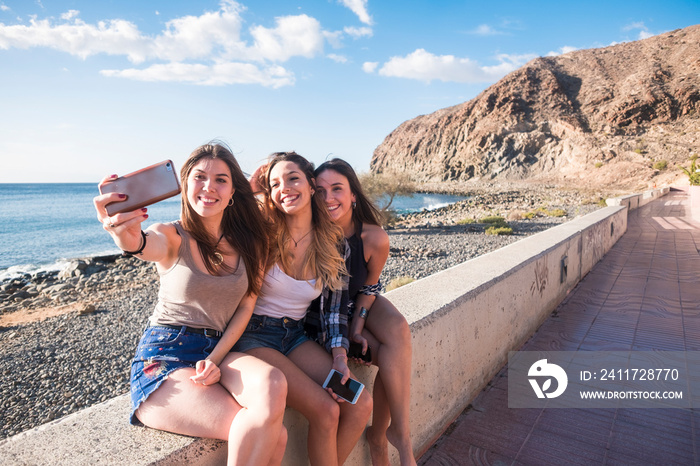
(350, 392)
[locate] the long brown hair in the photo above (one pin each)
(364, 210)
(323, 258)
(244, 227)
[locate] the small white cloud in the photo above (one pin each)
(643, 30)
(215, 75)
(424, 66)
(337, 58)
(357, 33)
(370, 66)
(70, 14)
(562, 51)
(4, 7)
(359, 7)
(485, 30)
(293, 36)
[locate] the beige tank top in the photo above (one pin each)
(188, 296)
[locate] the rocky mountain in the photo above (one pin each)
(597, 117)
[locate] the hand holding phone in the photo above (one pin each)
(356, 352)
(143, 187)
(350, 391)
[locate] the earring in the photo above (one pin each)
(230, 202)
(354, 204)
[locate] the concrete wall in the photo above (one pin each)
(464, 320)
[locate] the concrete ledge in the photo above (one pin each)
(463, 320)
(634, 201)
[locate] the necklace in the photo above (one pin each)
(296, 242)
(218, 257)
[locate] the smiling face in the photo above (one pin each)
(209, 187)
(290, 190)
(336, 191)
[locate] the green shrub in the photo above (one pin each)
(529, 215)
(602, 202)
(598, 164)
(466, 221)
(398, 282)
(494, 219)
(557, 213)
(660, 165)
(499, 231)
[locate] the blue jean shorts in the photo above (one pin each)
(283, 334)
(161, 351)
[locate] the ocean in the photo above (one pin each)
(45, 225)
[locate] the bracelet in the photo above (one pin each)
(340, 355)
(363, 313)
(143, 245)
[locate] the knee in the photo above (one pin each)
(327, 414)
(277, 391)
(364, 406)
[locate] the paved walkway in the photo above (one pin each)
(643, 295)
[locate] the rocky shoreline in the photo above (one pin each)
(66, 339)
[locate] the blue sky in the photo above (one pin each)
(90, 88)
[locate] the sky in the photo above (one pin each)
(90, 88)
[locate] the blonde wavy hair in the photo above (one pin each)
(323, 258)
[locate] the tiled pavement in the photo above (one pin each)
(643, 295)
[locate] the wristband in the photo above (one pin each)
(143, 245)
(363, 313)
(340, 355)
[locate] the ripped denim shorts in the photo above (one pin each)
(161, 351)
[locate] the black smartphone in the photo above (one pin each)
(143, 187)
(350, 392)
(356, 352)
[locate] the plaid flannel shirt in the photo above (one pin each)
(327, 317)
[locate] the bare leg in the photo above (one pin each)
(308, 397)
(316, 362)
(393, 396)
(245, 408)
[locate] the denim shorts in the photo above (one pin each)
(281, 334)
(161, 351)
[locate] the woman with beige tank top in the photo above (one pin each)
(184, 379)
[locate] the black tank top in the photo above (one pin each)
(356, 264)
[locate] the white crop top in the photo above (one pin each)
(284, 296)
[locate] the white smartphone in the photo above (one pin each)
(143, 187)
(350, 392)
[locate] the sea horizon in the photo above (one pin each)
(46, 226)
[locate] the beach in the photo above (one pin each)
(66, 340)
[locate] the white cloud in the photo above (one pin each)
(643, 30)
(370, 66)
(216, 75)
(211, 41)
(294, 36)
(562, 51)
(357, 33)
(485, 30)
(424, 66)
(337, 58)
(70, 14)
(4, 7)
(359, 7)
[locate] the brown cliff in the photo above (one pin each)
(593, 117)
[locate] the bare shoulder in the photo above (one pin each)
(374, 237)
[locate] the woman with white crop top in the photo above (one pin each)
(306, 264)
(184, 379)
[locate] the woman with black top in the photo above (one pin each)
(375, 323)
